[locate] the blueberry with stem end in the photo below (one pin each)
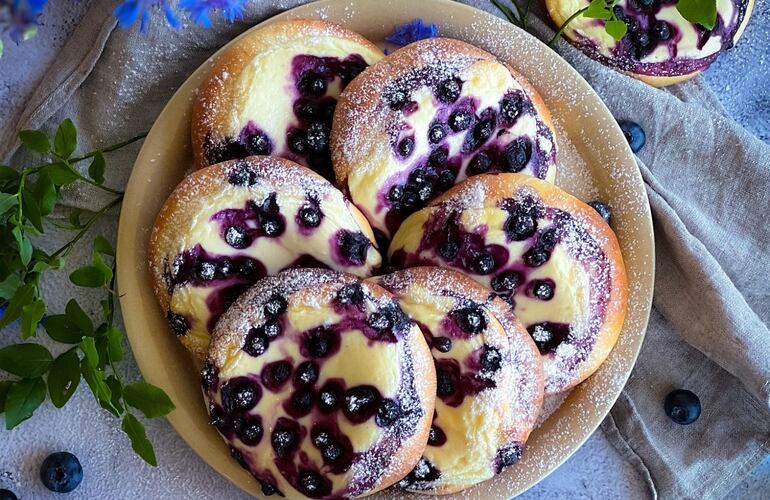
(682, 406)
(61, 472)
(634, 134)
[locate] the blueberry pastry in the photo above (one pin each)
(428, 116)
(228, 225)
(549, 255)
(274, 92)
(321, 385)
(660, 46)
(489, 378)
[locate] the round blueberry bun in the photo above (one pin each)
(274, 92)
(660, 46)
(321, 385)
(228, 225)
(489, 378)
(429, 115)
(548, 254)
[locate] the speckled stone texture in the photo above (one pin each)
(111, 470)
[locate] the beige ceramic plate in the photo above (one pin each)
(595, 162)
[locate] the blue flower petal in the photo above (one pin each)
(412, 31)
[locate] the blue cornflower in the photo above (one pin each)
(130, 10)
(18, 18)
(412, 31)
(199, 10)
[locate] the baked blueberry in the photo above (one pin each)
(448, 249)
(306, 109)
(351, 294)
(298, 142)
(388, 412)
(661, 31)
(396, 193)
(208, 375)
(490, 358)
(206, 271)
(520, 225)
(542, 289)
(438, 158)
(260, 144)
(307, 373)
(507, 281)
(603, 209)
(406, 146)
(353, 246)
(634, 134)
(61, 472)
(318, 137)
(242, 175)
(442, 344)
(459, 120)
(240, 394)
(301, 402)
(436, 436)
(271, 225)
(283, 439)
(275, 306)
(312, 484)
(272, 329)
(548, 239)
(256, 342)
(448, 91)
(178, 323)
(470, 319)
(275, 374)
(312, 85)
(484, 129)
(317, 343)
(309, 216)
(483, 264)
(480, 164)
(329, 397)
(250, 433)
(510, 108)
(361, 402)
(517, 154)
(682, 406)
(444, 382)
(436, 133)
(536, 256)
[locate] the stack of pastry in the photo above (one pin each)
(372, 264)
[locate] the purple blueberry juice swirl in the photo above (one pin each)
(649, 29)
(312, 402)
(306, 136)
(486, 142)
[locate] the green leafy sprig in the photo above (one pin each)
(702, 12)
(28, 198)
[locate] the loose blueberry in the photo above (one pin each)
(388, 413)
(178, 323)
(480, 164)
(459, 120)
(506, 281)
(7, 495)
(603, 209)
(634, 134)
(312, 85)
(536, 256)
(517, 154)
(309, 216)
(61, 472)
(208, 376)
(483, 264)
(307, 373)
(436, 133)
(240, 394)
(260, 144)
(448, 91)
(542, 289)
(682, 406)
(442, 344)
(406, 146)
(470, 319)
(256, 342)
(520, 225)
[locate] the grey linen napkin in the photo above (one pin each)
(708, 181)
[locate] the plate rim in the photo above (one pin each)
(128, 223)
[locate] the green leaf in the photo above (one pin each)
(103, 246)
(64, 378)
(22, 400)
(88, 346)
(139, 442)
(45, 190)
(703, 12)
(115, 344)
(598, 9)
(21, 297)
(7, 202)
(89, 277)
(9, 285)
(74, 217)
(148, 399)
(95, 380)
(35, 140)
(60, 174)
(25, 246)
(5, 386)
(96, 168)
(66, 139)
(117, 392)
(32, 313)
(25, 360)
(32, 210)
(8, 174)
(62, 330)
(79, 318)
(616, 29)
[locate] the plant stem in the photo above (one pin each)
(93, 183)
(526, 14)
(508, 13)
(108, 149)
(555, 38)
(64, 250)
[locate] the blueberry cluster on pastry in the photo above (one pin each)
(429, 115)
(489, 376)
(228, 225)
(549, 255)
(660, 46)
(274, 92)
(321, 385)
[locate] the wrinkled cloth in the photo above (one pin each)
(708, 181)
